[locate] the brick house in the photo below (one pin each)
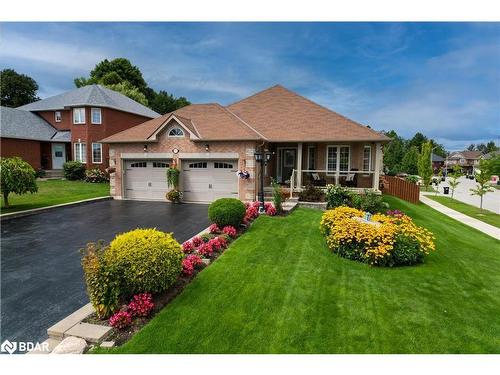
(210, 143)
(467, 160)
(78, 119)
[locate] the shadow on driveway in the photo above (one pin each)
(41, 276)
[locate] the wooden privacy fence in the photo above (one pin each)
(400, 188)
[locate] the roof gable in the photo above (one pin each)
(283, 115)
(91, 95)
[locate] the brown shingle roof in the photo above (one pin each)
(275, 114)
(282, 115)
(466, 154)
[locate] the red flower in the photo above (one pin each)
(120, 320)
(214, 229)
(222, 242)
(197, 241)
(271, 211)
(141, 304)
(187, 247)
(230, 231)
(206, 250)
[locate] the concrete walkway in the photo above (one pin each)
(490, 230)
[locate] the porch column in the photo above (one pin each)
(299, 165)
(378, 165)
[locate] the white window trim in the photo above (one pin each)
(56, 117)
(176, 136)
(337, 166)
(93, 161)
(92, 115)
(78, 145)
(309, 148)
(369, 158)
(84, 119)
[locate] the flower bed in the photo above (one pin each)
(198, 252)
(386, 240)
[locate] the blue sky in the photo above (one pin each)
(442, 79)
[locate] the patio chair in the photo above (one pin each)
(316, 180)
(351, 180)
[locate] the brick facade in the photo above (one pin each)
(28, 150)
(245, 150)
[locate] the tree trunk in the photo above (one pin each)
(481, 205)
(6, 199)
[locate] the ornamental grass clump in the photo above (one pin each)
(387, 240)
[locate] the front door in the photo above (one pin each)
(58, 155)
(288, 158)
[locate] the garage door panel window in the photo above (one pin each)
(140, 164)
(158, 164)
(80, 152)
(96, 153)
(198, 165)
(221, 165)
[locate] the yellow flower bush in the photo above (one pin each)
(386, 240)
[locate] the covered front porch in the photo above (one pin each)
(355, 165)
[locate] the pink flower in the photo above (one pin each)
(271, 211)
(141, 304)
(120, 320)
(187, 247)
(214, 229)
(206, 250)
(230, 231)
(222, 242)
(197, 241)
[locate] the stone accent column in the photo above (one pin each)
(378, 165)
(249, 165)
(112, 164)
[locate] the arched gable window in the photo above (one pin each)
(176, 132)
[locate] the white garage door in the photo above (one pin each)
(146, 179)
(208, 180)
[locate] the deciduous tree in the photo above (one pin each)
(17, 89)
(16, 176)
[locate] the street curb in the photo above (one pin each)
(40, 210)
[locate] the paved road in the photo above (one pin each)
(491, 201)
(41, 276)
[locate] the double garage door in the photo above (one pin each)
(201, 180)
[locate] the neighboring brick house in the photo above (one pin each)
(467, 160)
(84, 116)
(437, 163)
(305, 142)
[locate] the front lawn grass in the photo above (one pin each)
(52, 192)
(278, 289)
(488, 217)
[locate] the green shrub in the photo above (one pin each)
(312, 194)
(16, 176)
(206, 237)
(173, 177)
(74, 170)
(102, 279)
(412, 178)
(277, 195)
(369, 202)
(174, 195)
(227, 211)
(148, 260)
(406, 252)
(96, 175)
(337, 195)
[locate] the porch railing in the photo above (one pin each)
(323, 177)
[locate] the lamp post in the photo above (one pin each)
(262, 158)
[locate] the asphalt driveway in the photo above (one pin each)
(41, 276)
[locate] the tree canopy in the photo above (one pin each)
(17, 89)
(120, 75)
(484, 148)
(16, 176)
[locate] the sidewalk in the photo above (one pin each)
(470, 221)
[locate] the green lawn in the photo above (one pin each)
(278, 289)
(469, 210)
(51, 192)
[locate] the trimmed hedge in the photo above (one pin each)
(148, 260)
(74, 170)
(227, 211)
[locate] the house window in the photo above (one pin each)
(96, 116)
(57, 116)
(223, 165)
(140, 164)
(311, 151)
(201, 164)
(367, 158)
(176, 132)
(96, 153)
(338, 158)
(80, 152)
(159, 164)
(78, 115)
